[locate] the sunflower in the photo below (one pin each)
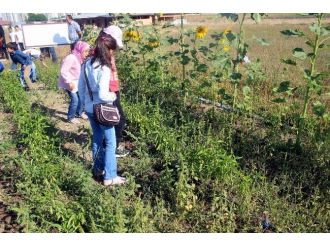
(226, 31)
(226, 48)
(222, 41)
(154, 43)
(201, 31)
(132, 35)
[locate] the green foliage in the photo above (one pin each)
(313, 78)
(36, 17)
(90, 34)
(193, 168)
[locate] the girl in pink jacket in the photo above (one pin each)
(69, 76)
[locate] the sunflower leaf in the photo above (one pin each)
(290, 32)
(289, 61)
(261, 41)
(230, 16)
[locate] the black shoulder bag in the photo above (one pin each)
(104, 113)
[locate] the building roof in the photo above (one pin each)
(4, 22)
(92, 15)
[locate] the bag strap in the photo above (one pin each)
(87, 82)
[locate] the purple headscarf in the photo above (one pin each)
(78, 50)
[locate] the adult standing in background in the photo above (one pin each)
(20, 40)
(75, 33)
(12, 35)
(13, 39)
(3, 42)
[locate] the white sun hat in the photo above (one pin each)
(116, 33)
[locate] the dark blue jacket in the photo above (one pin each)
(20, 57)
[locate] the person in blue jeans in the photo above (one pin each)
(68, 80)
(24, 60)
(33, 75)
(2, 67)
(50, 51)
(93, 87)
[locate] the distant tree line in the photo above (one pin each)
(36, 17)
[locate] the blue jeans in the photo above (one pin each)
(75, 106)
(53, 54)
(13, 66)
(104, 158)
(33, 75)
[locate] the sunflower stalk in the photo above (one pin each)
(235, 70)
(183, 85)
(301, 120)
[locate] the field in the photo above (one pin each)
(217, 144)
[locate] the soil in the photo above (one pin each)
(7, 193)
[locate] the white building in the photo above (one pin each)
(14, 18)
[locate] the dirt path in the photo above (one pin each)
(7, 193)
(74, 137)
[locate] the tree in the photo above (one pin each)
(36, 17)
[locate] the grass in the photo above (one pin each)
(184, 176)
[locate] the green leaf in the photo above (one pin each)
(309, 43)
(315, 86)
(321, 46)
(289, 61)
(172, 41)
(321, 76)
(236, 76)
(205, 84)
(326, 117)
(204, 50)
(261, 41)
(202, 68)
(307, 74)
(315, 28)
(279, 100)
(224, 95)
(212, 45)
(283, 87)
(290, 32)
(185, 60)
(256, 17)
(299, 53)
(319, 109)
(230, 16)
(311, 54)
(324, 31)
(246, 91)
(230, 36)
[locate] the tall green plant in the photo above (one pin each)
(313, 78)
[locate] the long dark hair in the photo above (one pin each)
(103, 44)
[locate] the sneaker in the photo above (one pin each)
(121, 151)
(74, 121)
(117, 180)
(83, 116)
(98, 175)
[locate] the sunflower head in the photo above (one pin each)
(226, 31)
(222, 41)
(132, 35)
(201, 31)
(154, 43)
(226, 48)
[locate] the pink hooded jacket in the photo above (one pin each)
(71, 66)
